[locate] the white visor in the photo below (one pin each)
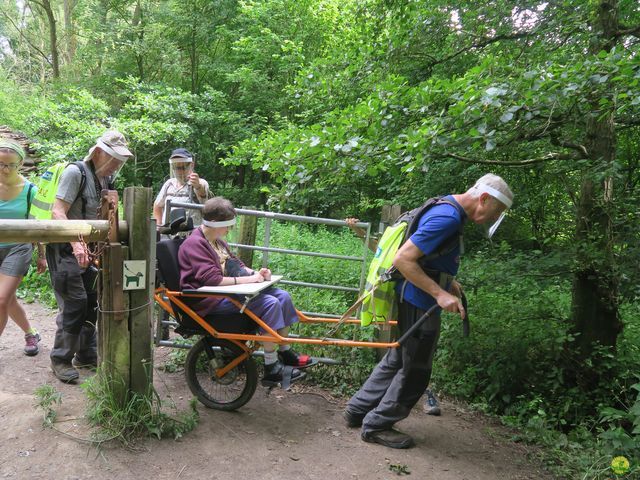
(107, 168)
(502, 198)
(181, 160)
(494, 193)
(180, 168)
(492, 229)
(224, 223)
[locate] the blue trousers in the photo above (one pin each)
(274, 306)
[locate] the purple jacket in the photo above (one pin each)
(200, 267)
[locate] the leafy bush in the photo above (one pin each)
(519, 363)
(37, 287)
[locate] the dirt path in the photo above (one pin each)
(284, 435)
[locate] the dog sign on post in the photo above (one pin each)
(134, 275)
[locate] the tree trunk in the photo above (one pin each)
(193, 60)
(241, 171)
(103, 13)
(72, 41)
(53, 36)
(138, 25)
(595, 305)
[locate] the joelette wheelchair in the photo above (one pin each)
(220, 368)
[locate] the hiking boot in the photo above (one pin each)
(389, 438)
(353, 420)
(64, 371)
(31, 344)
(431, 405)
(90, 364)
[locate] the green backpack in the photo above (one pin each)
(379, 300)
(380, 305)
(42, 204)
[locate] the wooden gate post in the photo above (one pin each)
(113, 325)
(142, 246)
(113, 322)
(247, 231)
(124, 329)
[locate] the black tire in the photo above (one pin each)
(229, 392)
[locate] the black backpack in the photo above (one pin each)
(412, 219)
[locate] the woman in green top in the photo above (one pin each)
(16, 193)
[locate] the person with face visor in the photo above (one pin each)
(16, 193)
(401, 377)
(185, 186)
(71, 268)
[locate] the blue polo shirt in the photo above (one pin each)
(436, 225)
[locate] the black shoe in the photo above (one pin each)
(295, 359)
(64, 371)
(389, 438)
(277, 373)
(352, 420)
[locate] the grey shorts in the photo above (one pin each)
(15, 260)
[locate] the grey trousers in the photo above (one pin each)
(400, 378)
(75, 292)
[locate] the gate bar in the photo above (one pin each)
(57, 231)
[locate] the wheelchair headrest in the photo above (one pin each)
(167, 255)
(178, 220)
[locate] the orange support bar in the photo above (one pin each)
(270, 335)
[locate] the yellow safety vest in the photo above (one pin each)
(42, 203)
(381, 306)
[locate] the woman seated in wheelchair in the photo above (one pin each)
(205, 260)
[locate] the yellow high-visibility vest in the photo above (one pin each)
(381, 306)
(42, 203)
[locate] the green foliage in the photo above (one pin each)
(72, 119)
(335, 108)
(47, 397)
(15, 100)
(399, 469)
(141, 415)
(621, 432)
(518, 325)
(518, 363)
(37, 287)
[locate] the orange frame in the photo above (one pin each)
(270, 334)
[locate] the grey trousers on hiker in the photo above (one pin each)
(75, 291)
(399, 380)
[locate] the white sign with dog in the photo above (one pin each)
(134, 274)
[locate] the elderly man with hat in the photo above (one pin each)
(184, 185)
(71, 267)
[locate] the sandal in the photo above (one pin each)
(299, 360)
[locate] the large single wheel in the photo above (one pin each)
(228, 392)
